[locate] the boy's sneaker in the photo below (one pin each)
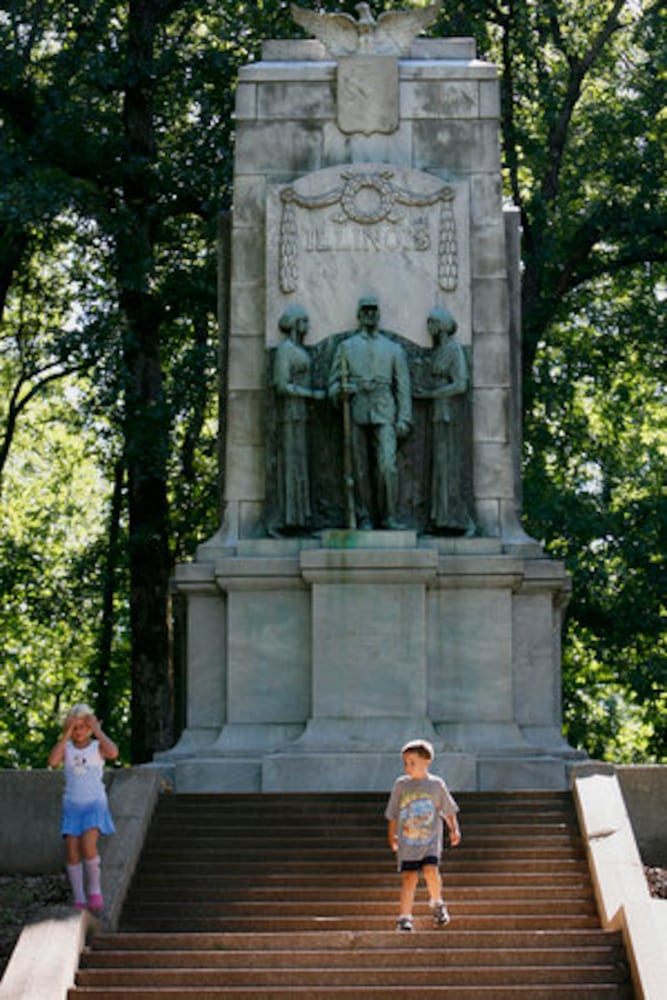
(404, 924)
(440, 915)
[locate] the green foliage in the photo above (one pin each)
(595, 475)
(585, 157)
(52, 522)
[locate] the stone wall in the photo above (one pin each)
(644, 789)
(30, 808)
(288, 127)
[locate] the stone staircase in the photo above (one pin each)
(287, 896)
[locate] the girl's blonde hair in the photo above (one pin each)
(79, 711)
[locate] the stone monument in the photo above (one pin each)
(371, 581)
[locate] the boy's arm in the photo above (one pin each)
(454, 831)
(392, 836)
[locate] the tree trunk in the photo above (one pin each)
(105, 643)
(14, 244)
(146, 420)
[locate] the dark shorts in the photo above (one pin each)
(416, 866)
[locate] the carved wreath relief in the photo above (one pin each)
(374, 202)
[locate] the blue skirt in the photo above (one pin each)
(81, 816)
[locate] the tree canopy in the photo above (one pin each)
(116, 148)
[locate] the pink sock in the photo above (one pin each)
(75, 873)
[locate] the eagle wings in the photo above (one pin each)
(392, 33)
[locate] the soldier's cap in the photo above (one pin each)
(368, 300)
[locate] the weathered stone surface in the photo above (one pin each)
(486, 198)
(247, 316)
(489, 100)
(277, 147)
(490, 305)
(360, 771)
(245, 425)
(465, 658)
(316, 657)
(367, 94)
(459, 49)
(248, 256)
(493, 470)
(488, 256)
(440, 98)
(361, 633)
(206, 655)
(249, 200)
(341, 148)
(367, 229)
(458, 146)
(294, 101)
(245, 102)
(246, 362)
(490, 412)
(268, 656)
(293, 50)
(245, 471)
(490, 365)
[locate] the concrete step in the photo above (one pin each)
(269, 924)
(380, 867)
(288, 896)
(358, 853)
(271, 882)
(180, 830)
(354, 975)
(364, 940)
(324, 907)
(489, 847)
(155, 893)
(363, 958)
(358, 802)
(561, 991)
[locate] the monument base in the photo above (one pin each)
(312, 661)
(363, 771)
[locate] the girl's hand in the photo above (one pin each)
(108, 748)
(95, 725)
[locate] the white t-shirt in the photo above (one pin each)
(84, 767)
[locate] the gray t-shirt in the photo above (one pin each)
(417, 806)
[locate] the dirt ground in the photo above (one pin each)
(657, 882)
(24, 897)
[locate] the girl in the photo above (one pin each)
(83, 748)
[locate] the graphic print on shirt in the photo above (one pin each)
(79, 764)
(417, 817)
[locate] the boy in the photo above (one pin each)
(417, 804)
